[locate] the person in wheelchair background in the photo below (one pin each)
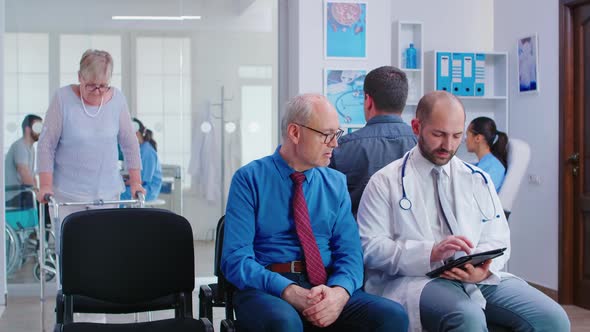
(19, 165)
(21, 207)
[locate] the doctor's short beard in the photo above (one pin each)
(437, 155)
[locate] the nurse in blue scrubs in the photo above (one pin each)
(489, 144)
(151, 169)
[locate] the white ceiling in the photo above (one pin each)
(95, 15)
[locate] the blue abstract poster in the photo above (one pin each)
(346, 29)
(527, 64)
(344, 89)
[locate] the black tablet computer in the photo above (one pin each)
(475, 260)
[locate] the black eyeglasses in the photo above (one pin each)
(93, 87)
(328, 138)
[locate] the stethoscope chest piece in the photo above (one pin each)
(405, 203)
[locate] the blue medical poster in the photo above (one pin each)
(344, 89)
(527, 64)
(345, 29)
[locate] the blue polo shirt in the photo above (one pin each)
(260, 230)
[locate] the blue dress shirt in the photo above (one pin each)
(491, 165)
(362, 153)
(259, 226)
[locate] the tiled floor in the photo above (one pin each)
(23, 311)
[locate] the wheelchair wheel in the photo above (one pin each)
(48, 275)
(12, 249)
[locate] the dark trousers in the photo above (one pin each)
(259, 311)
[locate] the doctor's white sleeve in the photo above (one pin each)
(385, 248)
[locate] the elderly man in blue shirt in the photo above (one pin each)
(291, 244)
(385, 137)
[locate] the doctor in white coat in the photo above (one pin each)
(406, 235)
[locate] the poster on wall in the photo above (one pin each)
(344, 89)
(528, 60)
(345, 29)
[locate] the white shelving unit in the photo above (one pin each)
(493, 103)
(404, 33)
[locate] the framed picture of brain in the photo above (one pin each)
(345, 29)
(344, 89)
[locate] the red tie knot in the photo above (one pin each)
(297, 177)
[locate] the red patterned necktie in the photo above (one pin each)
(316, 271)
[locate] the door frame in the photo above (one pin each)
(566, 212)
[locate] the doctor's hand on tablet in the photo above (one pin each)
(447, 247)
(469, 273)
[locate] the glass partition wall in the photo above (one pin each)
(207, 88)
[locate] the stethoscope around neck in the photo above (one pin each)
(406, 204)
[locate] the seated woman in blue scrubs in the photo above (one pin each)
(489, 144)
(151, 169)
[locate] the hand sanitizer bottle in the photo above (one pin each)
(411, 57)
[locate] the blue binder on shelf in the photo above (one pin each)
(468, 75)
(443, 71)
(457, 73)
(480, 74)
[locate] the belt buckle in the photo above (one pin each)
(293, 267)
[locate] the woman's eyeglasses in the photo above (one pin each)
(102, 88)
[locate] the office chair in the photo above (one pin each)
(519, 155)
(126, 261)
(221, 293)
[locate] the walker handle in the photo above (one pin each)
(141, 199)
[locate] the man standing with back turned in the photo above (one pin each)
(385, 137)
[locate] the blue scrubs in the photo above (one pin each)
(151, 173)
(491, 165)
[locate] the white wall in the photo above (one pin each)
(306, 56)
(469, 25)
(534, 118)
(450, 25)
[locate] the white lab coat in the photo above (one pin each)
(205, 163)
(205, 156)
(397, 243)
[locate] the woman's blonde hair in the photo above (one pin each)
(96, 64)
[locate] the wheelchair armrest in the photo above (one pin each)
(206, 302)
(18, 187)
(227, 325)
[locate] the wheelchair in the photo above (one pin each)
(22, 232)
